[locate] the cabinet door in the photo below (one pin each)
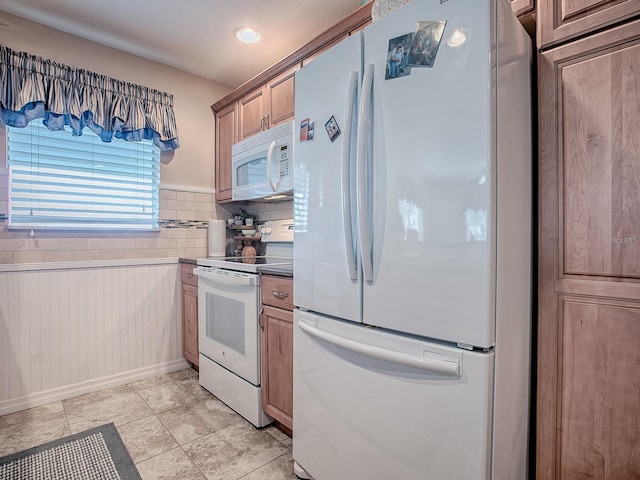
(280, 95)
(251, 113)
(277, 291)
(190, 323)
(277, 364)
(560, 20)
(226, 136)
(589, 258)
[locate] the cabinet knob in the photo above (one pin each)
(279, 294)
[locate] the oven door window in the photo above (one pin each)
(225, 322)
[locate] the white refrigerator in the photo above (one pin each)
(412, 258)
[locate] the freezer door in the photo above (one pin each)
(325, 250)
(430, 174)
(371, 405)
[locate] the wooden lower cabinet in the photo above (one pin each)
(189, 314)
(588, 389)
(277, 350)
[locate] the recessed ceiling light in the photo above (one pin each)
(247, 35)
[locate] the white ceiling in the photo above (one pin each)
(192, 35)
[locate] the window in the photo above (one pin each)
(61, 181)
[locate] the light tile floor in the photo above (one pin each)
(172, 427)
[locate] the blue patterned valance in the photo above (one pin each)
(32, 87)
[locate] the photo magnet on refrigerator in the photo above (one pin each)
(398, 57)
(304, 130)
(425, 43)
(333, 130)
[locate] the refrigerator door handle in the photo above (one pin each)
(447, 365)
(346, 177)
(274, 185)
(363, 216)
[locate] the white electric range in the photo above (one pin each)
(228, 321)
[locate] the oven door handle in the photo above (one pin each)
(228, 277)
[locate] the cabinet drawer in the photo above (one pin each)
(277, 291)
(186, 274)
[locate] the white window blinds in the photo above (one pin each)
(61, 181)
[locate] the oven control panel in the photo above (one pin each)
(277, 231)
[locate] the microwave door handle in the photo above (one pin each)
(274, 185)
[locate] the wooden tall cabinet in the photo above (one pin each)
(588, 412)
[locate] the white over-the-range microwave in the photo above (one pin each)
(262, 165)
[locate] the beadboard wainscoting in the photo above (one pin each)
(73, 328)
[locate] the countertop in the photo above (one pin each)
(282, 271)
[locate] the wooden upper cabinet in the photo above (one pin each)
(269, 105)
(561, 20)
(588, 408)
(280, 93)
(251, 113)
(226, 136)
